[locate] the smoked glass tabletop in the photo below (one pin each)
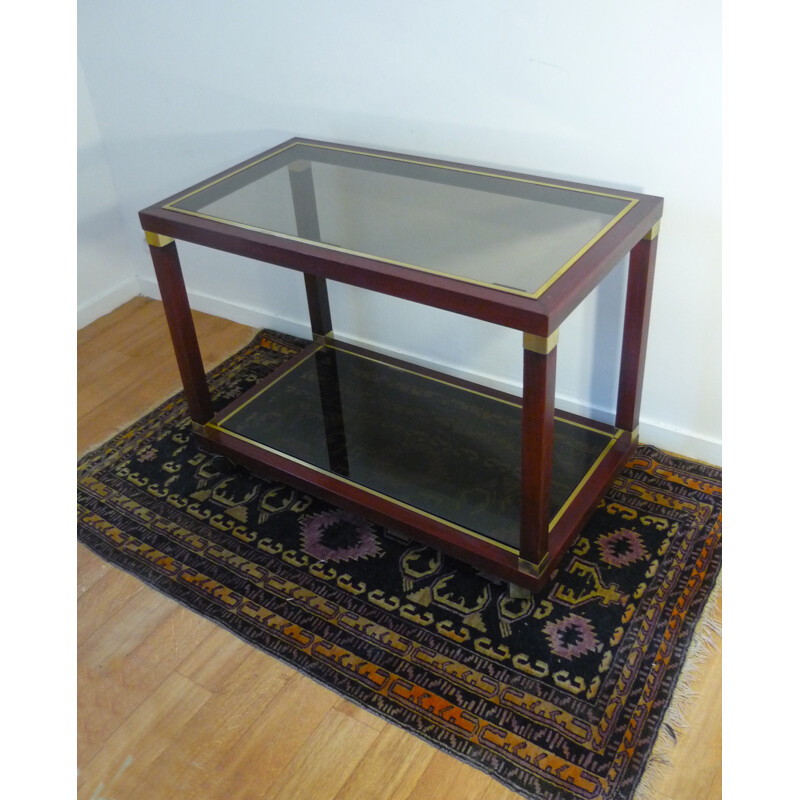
(447, 451)
(515, 234)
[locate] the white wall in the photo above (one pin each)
(107, 267)
(616, 92)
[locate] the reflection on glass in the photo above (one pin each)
(448, 451)
(511, 233)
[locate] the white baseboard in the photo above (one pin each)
(236, 312)
(107, 301)
(683, 442)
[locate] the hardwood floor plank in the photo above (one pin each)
(117, 381)
(259, 757)
(390, 768)
(119, 636)
(199, 748)
(100, 602)
(90, 370)
(715, 789)
(499, 792)
(124, 317)
(446, 777)
(123, 663)
(131, 750)
(361, 714)
(325, 761)
(212, 665)
(90, 568)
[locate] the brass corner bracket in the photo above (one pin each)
(540, 344)
(157, 239)
(536, 570)
(653, 232)
(322, 338)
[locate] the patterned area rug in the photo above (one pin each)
(557, 697)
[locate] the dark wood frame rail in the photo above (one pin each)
(543, 541)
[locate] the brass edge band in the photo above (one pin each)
(539, 344)
(529, 568)
(157, 239)
(653, 232)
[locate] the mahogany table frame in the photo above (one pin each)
(541, 544)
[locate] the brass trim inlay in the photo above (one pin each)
(653, 232)
(534, 295)
(343, 349)
(540, 344)
(614, 439)
(157, 239)
(529, 568)
(266, 387)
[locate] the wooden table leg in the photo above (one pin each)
(304, 201)
(634, 336)
(319, 309)
(181, 327)
(332, 411)
(538, 421)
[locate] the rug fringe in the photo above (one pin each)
(705, 642)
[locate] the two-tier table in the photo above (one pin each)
(501, 481)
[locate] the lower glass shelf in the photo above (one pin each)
(447, 449)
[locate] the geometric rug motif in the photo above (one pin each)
(557, 696)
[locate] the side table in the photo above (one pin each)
(500, 481)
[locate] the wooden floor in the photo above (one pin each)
(154, 722)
